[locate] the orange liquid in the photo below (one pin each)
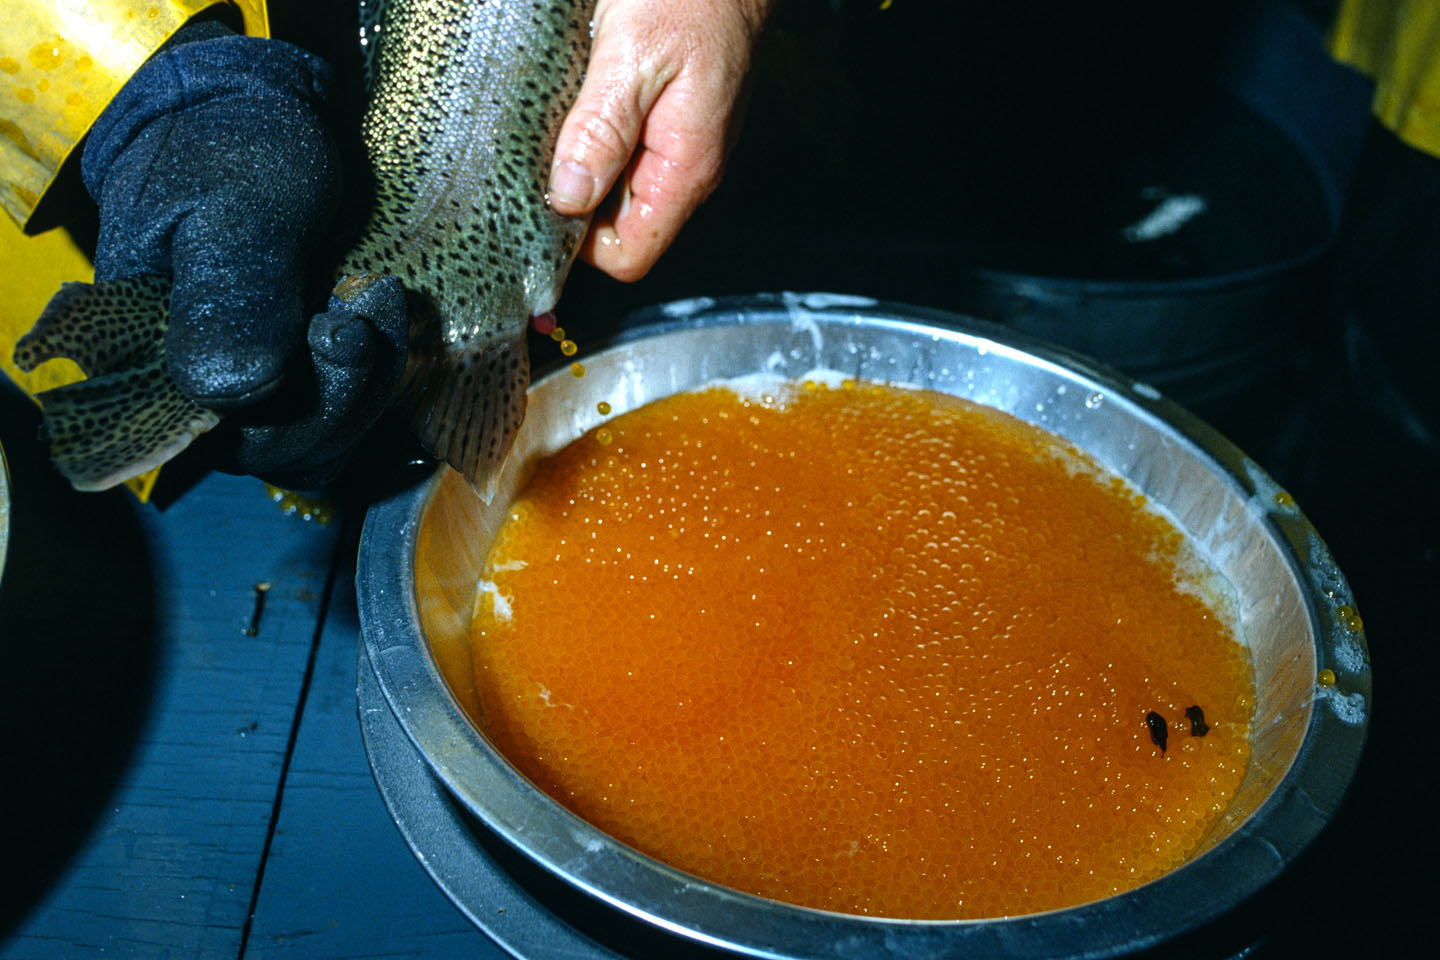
(864, 649)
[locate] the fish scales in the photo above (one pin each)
(467, 99)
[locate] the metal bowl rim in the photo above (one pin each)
(5, 502)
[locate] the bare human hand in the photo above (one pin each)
(653, 123)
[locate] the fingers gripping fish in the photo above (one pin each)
(466, 103)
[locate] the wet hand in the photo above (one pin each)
(650, 130)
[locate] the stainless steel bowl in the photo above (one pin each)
(421, 553)
(4, 511)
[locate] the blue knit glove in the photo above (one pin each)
(213, 166)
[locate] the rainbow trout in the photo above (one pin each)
(466, 102)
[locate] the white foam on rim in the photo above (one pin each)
(687, 308)
(773, 387)
(1348, 708)
(828, 301)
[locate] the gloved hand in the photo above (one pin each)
(321, 412)
(213, 165)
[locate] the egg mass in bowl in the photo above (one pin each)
(423, 551)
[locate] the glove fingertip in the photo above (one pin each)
(378, 299)
(341, 336)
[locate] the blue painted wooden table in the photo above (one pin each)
(178, 787)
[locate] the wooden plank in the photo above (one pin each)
(155, 729)
(340, 882)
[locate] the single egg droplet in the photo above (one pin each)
(604, 408)
(603, 436)
(557, 334)
(577, 369)
(568, 347)
(1326, 678)
(1283, 499)
(1354, 623)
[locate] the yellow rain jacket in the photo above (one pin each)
(61, 62)
(1396, 43)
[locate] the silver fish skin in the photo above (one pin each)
(466, 102)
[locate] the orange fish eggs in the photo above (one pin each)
(868, 650)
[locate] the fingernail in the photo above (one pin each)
(571, 184)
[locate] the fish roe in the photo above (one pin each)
(869, 650)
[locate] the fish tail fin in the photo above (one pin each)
(127, 417)
(108, 429)
(103, 327)
(468, 406)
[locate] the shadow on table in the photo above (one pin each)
(77, 659)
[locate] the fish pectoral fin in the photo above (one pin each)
(468, 406)
(104, 327)
(115, 426)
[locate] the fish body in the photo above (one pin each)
(467, 98)
(467, 102)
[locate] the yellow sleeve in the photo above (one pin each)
(1397, 44)
(61, 63)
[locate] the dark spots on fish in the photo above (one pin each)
(1196, 716)
(1159, 732)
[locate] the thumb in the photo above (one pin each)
(603, 128)
(236, 317)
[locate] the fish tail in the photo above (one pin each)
(127, 417)
(468, 405)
